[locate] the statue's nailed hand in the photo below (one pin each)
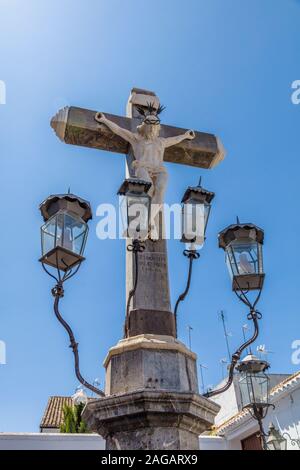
(190, 135)
(100, 117)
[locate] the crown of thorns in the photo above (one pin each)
(150, 109)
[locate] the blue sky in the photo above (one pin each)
(221, 67)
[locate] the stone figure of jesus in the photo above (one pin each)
(148, 149)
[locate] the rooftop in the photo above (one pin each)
(53, 415)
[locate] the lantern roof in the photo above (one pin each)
(252, 363)
(134, 184)
(199, 192)
(237, 231)
(71, 202)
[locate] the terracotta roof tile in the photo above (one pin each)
(53, 415)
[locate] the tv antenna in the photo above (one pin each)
(261, 349)
(227, 334)
(190, 328)
(223, 362)
(202, 366)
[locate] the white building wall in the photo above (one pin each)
(286, 417)
(229, 402)
(40, 441)
(212, 443)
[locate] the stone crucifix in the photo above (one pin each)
(148, 148)
(147, 144)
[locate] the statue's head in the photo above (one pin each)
(150, 126)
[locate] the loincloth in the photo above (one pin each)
(151, 169)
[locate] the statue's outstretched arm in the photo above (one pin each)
(169, 141)
(120, 131)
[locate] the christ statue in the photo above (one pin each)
(148, 148)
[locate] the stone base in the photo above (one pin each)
(151, 420)
(153, 362)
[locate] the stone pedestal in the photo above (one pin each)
(152, 397)
(151, 420)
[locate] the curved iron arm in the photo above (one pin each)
(262, 433)
(253, 315)
(191, 254)
(58, 292)
(136, 247)
(294, 442)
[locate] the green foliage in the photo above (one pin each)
(72, 421)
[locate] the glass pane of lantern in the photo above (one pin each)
(48, 235)
(79, 242)
(244, 391)
(259, 386)
(135, 216)
(75, 231)
(194, 220)
(206, 215)
(244, 257)
(123, 213)
(59, 228)
(64, 230)
(260, 259)
(254, 388)
(138, 213)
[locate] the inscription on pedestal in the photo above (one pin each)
(153, 282)
(153, 263)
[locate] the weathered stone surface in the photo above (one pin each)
(148, 342)
(145, 420)
(152, 291)
(77, 126)
(150, 362)
(156, 322)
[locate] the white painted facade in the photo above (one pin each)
(47, 441)
(232, 425)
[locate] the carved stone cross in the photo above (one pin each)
(151, 308)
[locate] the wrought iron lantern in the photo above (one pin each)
(65, 231)
(254, 385)
(243, 247)
(275, 440)
(135, 208)
(196, 204)
(63, 237)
